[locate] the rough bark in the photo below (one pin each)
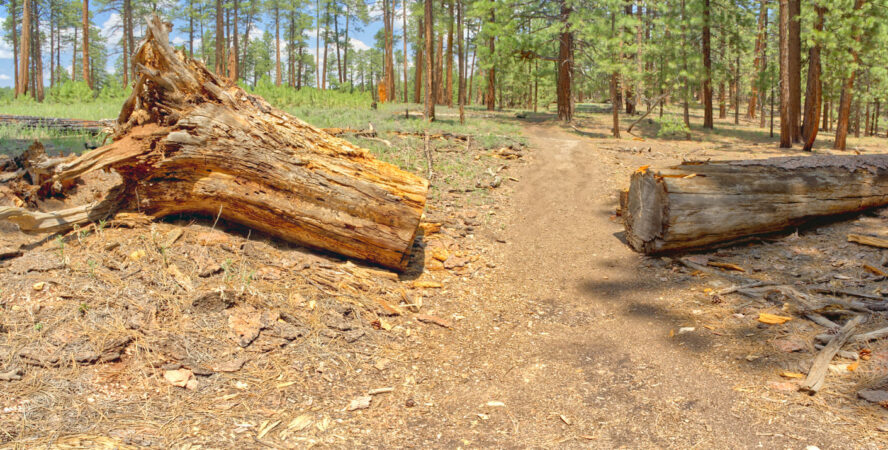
(843, 120)
(188, 143)
(786, 129)
(25, 58)
(795, 69)
(490, 100)
(814, 91)
(695, 205)
(86, 75)
(448, 83)
(707, 68)
(429, 32)
(565, 65)
(760, 43)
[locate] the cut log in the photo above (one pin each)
(699, 204)
(187, 141)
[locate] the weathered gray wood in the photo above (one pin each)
(695, 205)
(816, 375)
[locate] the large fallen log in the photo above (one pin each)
(698, 204)
(187, 141)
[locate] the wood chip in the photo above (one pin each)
(868, 240)
(425, 318)
(726, 266)
(362, 402)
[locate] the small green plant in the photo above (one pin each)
(672, 125)
(60, 246)
(38, 326)
(92, 267)
(83, 308)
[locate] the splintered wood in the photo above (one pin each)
(187, 141)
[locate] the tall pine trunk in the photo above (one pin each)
(428, 19)
(786, 129)
(25, 46)
(707, 67)
(843, 120)
(795, 69)
(565, 65)
(760, 42)
(491, 72)
(461, 69)
(86, 74)
(814, 90)
(448, 85)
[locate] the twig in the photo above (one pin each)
(428, 154)
(817, 373)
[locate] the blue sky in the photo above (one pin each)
(106, 22)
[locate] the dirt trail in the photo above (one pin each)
(578, 346)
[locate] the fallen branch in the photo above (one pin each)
(816, 375)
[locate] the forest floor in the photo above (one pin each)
(523, 321)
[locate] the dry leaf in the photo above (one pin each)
(642, 169)
(875, 271)
(773, 319)
(853, 366)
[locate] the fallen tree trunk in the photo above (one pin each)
(188, 142)
(59, 124)
(699, 204)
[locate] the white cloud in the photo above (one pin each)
(112, 28)
(5, 50)
(357, 44)
(4, 77)
(178, 40)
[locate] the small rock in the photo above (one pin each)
(39, 286)
(873, 396)
(684, 330)
(179, 377)
(790, 345)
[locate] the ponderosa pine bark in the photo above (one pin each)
(490, 99)
(461, 57)
(430, 95)
(85, 20)
(785, 78)
(25, 57)
(707, 68)
(795, 69)
(564, 94)
(448, 84)
(814, 91)
(844, 117)
(760, 43)
(404, 33)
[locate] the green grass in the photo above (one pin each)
(95, 110)
(14, 139)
